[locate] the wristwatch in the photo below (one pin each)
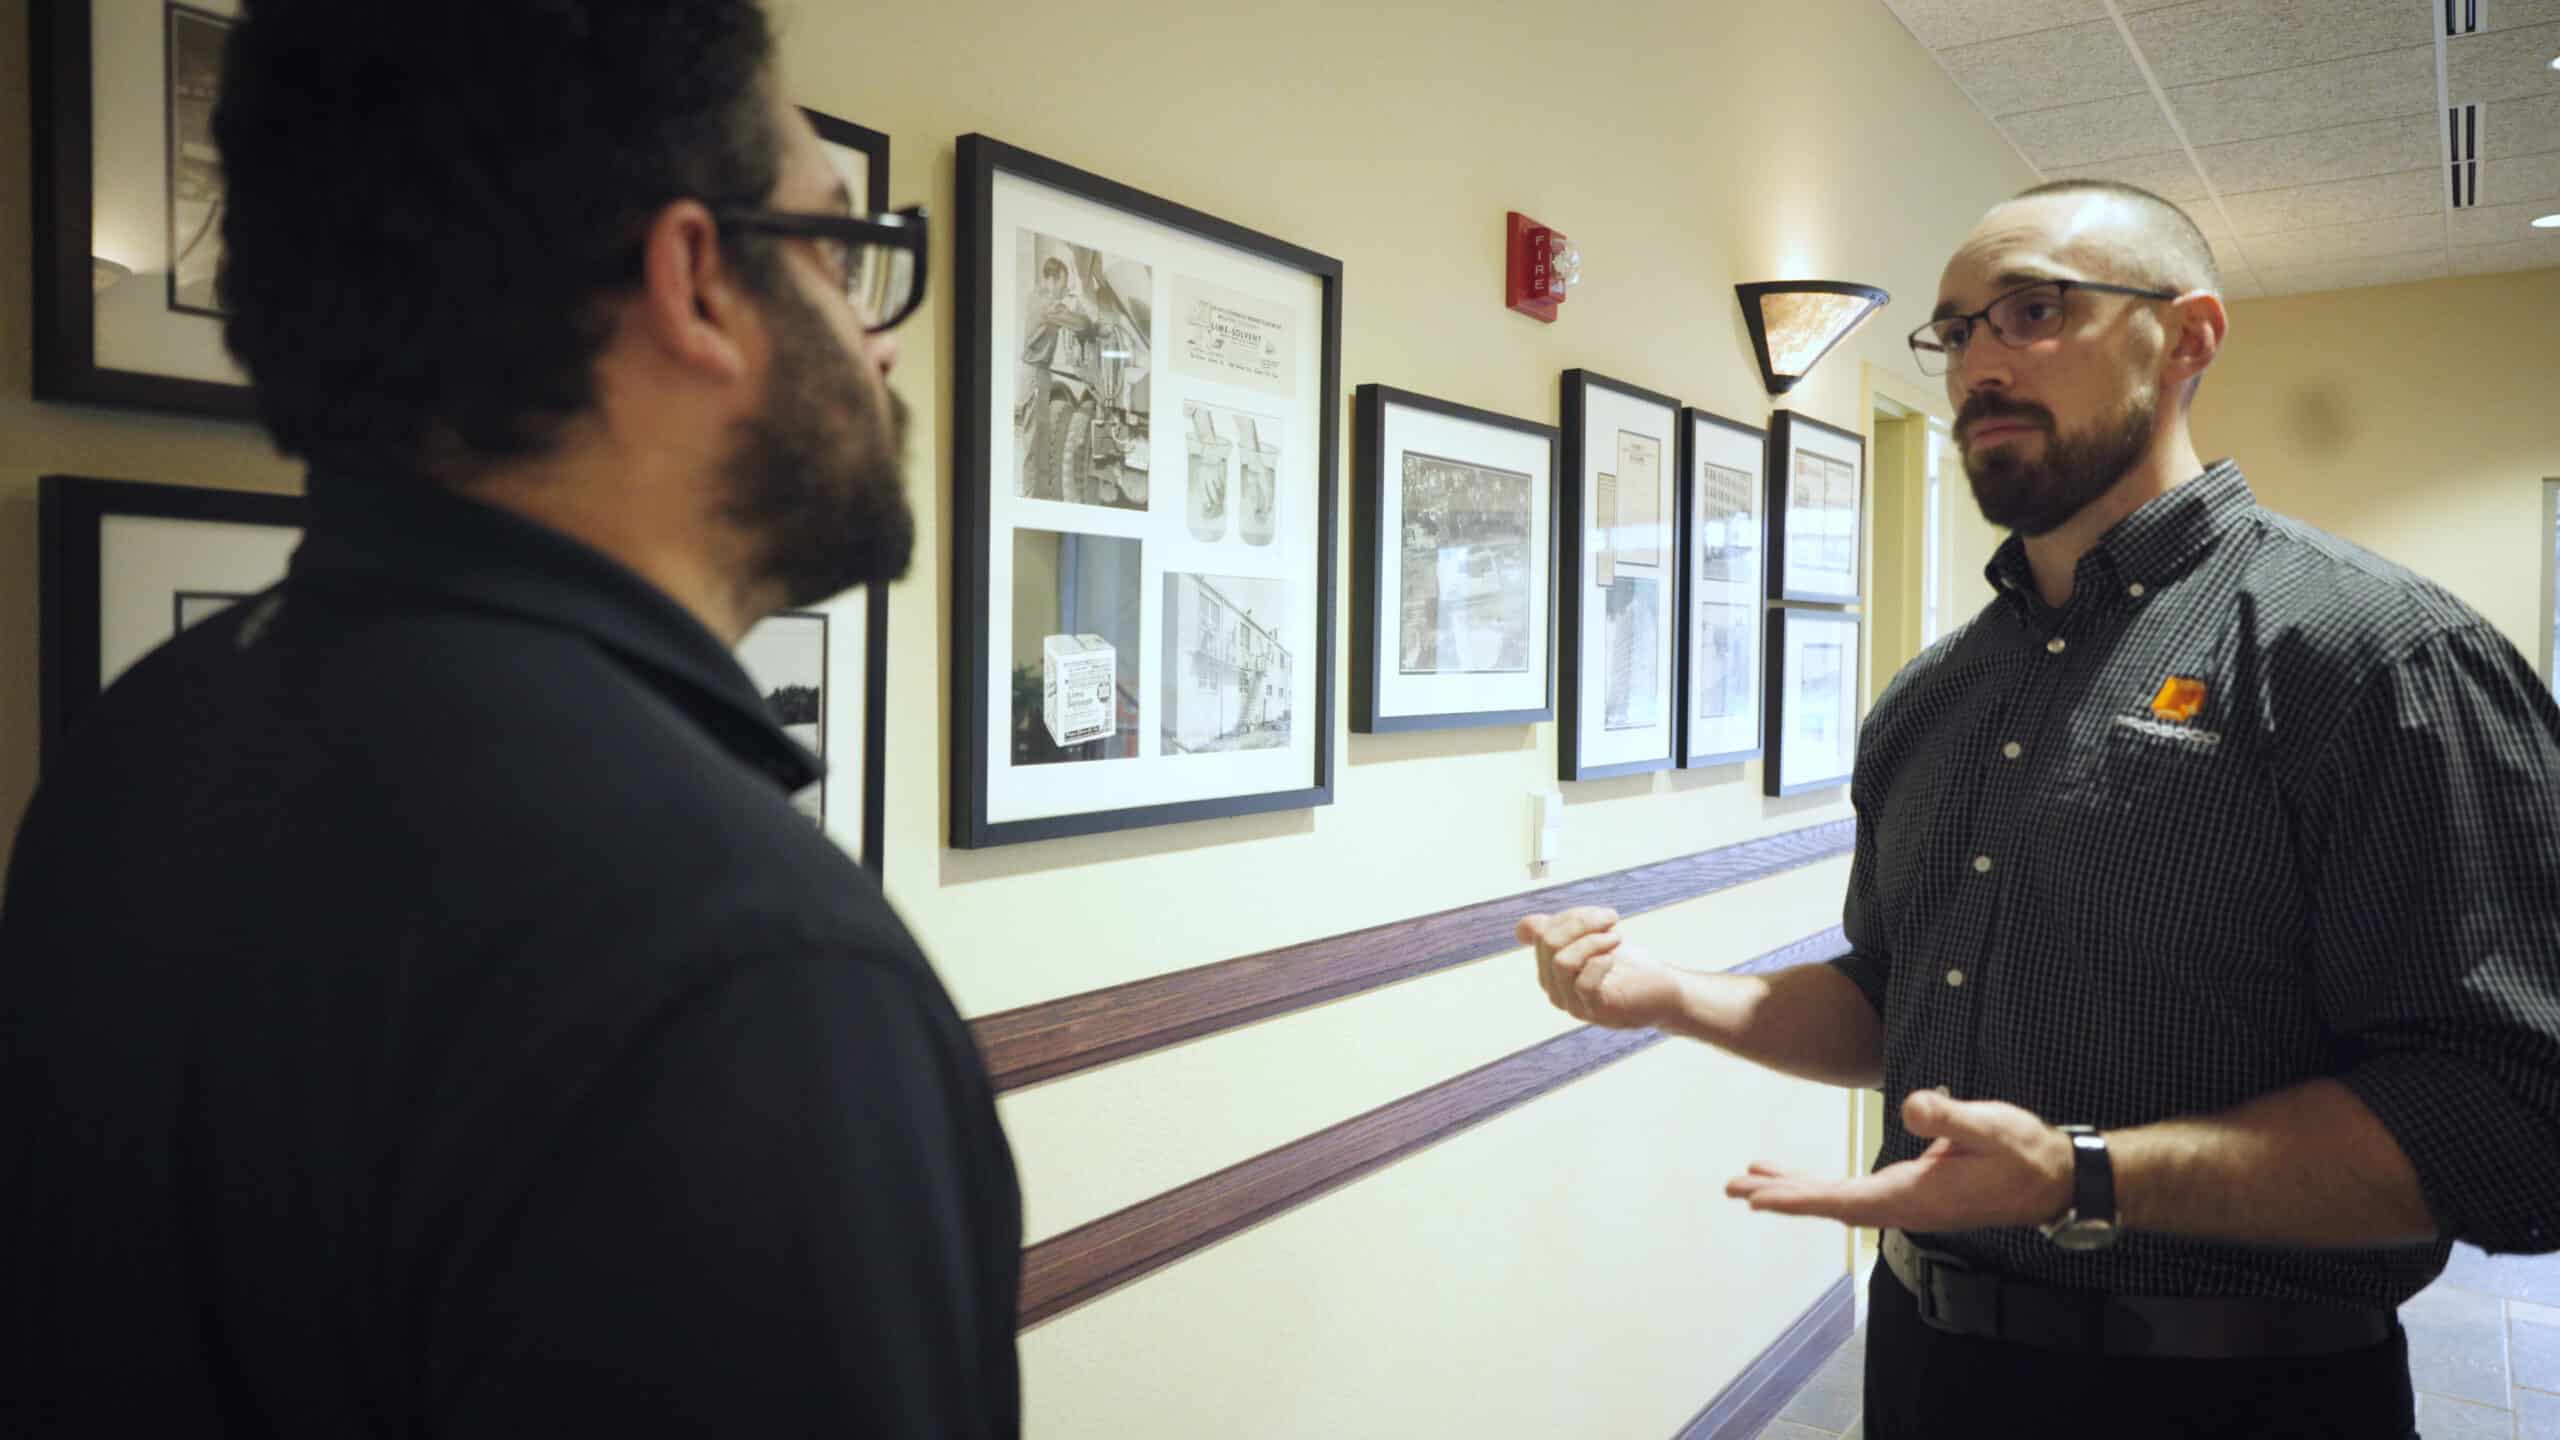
(2090, 1223)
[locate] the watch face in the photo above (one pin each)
(2084, 1234)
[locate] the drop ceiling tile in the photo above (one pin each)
(2171, 177)
(2501, 64)
(2497, 225)
(1945, 24)
(2363, 240)
(2338, 202)
(2193, 44)
(2046, 70)
(2350, 274)
(2520, 127)
(2521, 181)
(2511, 256)
(2516, 14)
(2344, 152)
(2242, 285)
(2082, 134)
(2311, 97)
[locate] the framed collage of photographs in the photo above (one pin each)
(128, 203)
(125, 566)
(1813, 700)
(1618, 580)
(1128, 652)
(1723, 543)
(1453, 563)
(1817, 480)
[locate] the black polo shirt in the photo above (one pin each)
(2254, 808)
(422, 1012)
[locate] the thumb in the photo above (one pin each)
(1530, 928)
(1931, 1115)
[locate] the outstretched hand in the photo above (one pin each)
(1990, 1164)
(1591, 972)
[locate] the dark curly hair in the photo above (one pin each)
(429, 205)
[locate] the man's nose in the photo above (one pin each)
(884, 351)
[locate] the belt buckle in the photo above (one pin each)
(1929, 1263)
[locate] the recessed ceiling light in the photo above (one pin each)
(2547, 222)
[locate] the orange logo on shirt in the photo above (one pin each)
(2179, 700)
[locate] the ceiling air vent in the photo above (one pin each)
(2462, 124)
(2461, 17)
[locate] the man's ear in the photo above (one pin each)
(2198, 324)
(693, 306)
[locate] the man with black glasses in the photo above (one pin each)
(422, 1011)
(2205, 914)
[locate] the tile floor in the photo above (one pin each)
(2484, 1352)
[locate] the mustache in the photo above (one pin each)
(1982, 407)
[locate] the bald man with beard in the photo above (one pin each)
(2204, 917)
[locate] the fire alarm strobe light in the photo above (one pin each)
(1543, 268)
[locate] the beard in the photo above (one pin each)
(820, 516)
(2036, 497)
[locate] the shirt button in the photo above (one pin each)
(2012, 750)
(1981, 864)
(2055, 646)
(2136, 590)
(1955, 979)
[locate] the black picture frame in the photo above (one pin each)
(1773, 777)
(1572, 725)
(1786, 429)
(981, 160)
(1370, 560)
(872, 145)
(1758, 440)
(72, 514)
(66, 367)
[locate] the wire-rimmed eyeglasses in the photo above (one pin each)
(2018, 319)
(881, 258)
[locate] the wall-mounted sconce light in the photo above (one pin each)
(1794, 323)
(104, 274)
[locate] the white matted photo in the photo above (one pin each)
(1143, 513)
(1813, 700)
(1619, 617)
(1453, 565)
(1724, 524)
(1817, 484)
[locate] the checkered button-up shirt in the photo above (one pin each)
(2254, 808)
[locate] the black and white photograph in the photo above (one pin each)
(1723, 520)
(786, 655)
(1082, 419)
(1227, 680)
(1817, 485)
(1453, 565)
(1635, 654)
(1233, 487)
(194, 607)
(1812, 700)
(195, 165)
(1621, 625)
(1145, 468)
(1075, 637)
(1466, 570)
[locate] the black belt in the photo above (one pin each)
(1961, 1300)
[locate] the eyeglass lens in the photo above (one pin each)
(882, 280)
(2021, 317)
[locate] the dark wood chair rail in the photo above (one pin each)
(1061, 1037)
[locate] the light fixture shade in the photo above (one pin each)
(1794, 323)
(104, 274)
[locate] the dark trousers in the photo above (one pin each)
(1923, 1384)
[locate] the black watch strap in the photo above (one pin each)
(2093, 1175)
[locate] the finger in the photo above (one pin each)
(1572, 959)
(1572, 925)
(1976, 1123)
(1532, 929)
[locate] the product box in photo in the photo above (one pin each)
(1076, 675)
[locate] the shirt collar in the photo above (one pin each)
(2152, 546)
(424, 541)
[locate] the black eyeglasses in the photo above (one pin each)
(2019, 319)
(881, 258)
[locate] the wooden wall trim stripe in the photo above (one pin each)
(1755, 1397)
(1061, 1037)
(1103, 1255)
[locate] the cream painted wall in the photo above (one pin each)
(2414, 420)
(1570, 1268)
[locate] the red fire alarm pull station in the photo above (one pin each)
(1543, 268)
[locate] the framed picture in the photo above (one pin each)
(1620, 575)
(1813, 700)
(1723, 545)
(128, 205)
(1453, 560)
(1131, 653)
(1817, 482)
(125, 566)
(860, 155)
